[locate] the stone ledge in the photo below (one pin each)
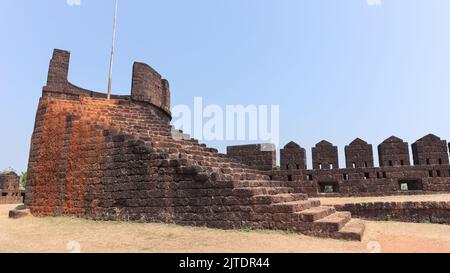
(16, 214)
(415, 212)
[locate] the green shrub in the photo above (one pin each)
(23, 180)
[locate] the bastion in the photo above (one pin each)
(120, 159)
(9, 188)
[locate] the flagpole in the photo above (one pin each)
(111, 61)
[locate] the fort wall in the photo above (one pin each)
(430, 173)
(258, 156)
(9, 188)
(118, 159)
(415, 212)
(293, 157)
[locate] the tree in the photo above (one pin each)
(23, 180)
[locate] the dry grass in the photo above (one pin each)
(53, 234)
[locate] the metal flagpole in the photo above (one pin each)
(111, 61)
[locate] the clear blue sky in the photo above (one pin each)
(339, 69)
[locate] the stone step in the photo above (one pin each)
(352, 231)
(207, 157)
(279, 198)
(295, 206)
(261, 191)
(258, 183)
(316, 213)
(333, 223)
(16, 213)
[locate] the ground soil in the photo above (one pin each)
(63, 234)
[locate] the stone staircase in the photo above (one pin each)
(281, 206)
(268, 204)
(295, 212)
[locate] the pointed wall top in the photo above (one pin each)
(292, 145)
(324, 143)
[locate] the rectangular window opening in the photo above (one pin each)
(329, 187)
(410, 185)
(404, 187)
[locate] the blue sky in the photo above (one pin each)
(339, 69)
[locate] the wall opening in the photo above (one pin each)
(404, 187)
(390, 163)
(320, 166)
(366, 176)
(329, 187)
(354, 165)
(430, 173)
(4, 194)
(345, 176)
(366, 164)
(428, 161)
(290, 179)
(331, 166)
(384, 175)
(402, 162)
(309, 177)
(410, 185)
(438, 173)
(440, 161)
(298, 167)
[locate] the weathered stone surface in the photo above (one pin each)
(118, 159)
(16, 214)
(293, 157)
(431, 172)
(393, 152)
(417, 212)
(359, 154)
(148, 86)
(259, 156)
(430, 150)
(325, 156)
(9, 188)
